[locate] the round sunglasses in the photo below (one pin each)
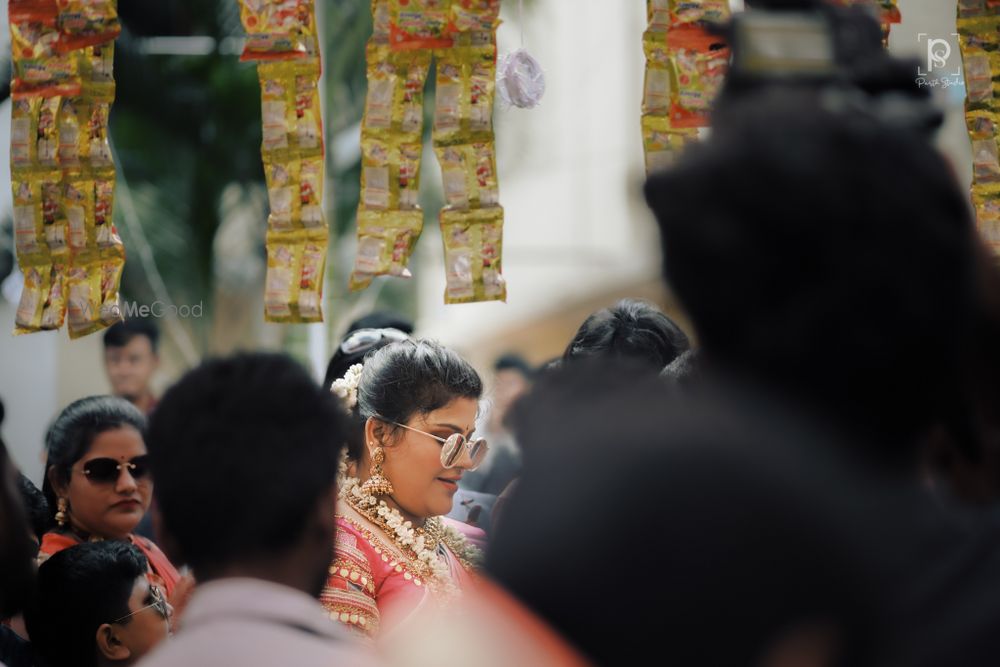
(453, 446)
(107, 470)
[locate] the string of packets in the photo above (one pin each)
(62, 174)
(460, 36)
(685, 69)
(282, 40)
(979, 38)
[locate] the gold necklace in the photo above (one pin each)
(431, 531)
(434, 532)
(421, 546)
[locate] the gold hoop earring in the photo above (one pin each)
(62, 505)
(377, 483)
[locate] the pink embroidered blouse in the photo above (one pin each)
(372, 588)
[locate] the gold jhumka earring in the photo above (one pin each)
(377, 483)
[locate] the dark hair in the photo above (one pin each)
(36, 506)
(242, 449)
(409, 377)
(80, 589)
(381, 319)
(17, 550)
(632, 329)
(120, 333)
(717, 473)
(342, 361)
(514, 362)
(71, 434)
(826, 251)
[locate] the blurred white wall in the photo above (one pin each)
(29, 382)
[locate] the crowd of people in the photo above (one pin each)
(810, 479)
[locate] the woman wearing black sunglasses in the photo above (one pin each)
(97, 480)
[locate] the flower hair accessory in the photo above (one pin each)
(346, 388)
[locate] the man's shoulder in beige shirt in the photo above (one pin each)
(250, 622)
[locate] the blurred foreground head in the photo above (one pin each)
(245, 453)
(826, 252)
(16, 549)
(735, 529)
(631, 331)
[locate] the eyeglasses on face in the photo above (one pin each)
(363, 340)
(453, 446)
(159, 603)
(108, 470)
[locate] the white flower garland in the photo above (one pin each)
(404, 535)
(346, 388)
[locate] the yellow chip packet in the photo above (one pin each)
(28, 318)
(466, 86)
(29, 237)
(84, 23)
(78, 211)
(475, 15)
(390, 175)
(473, 245)
(290, 110)
(83, 302)
(662, 143)
(296, 262)
(54, 305)
(385, 242)
(468, 173)
(656, 87)
(295, 193)
(394, 103)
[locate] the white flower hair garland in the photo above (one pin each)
(346, 388)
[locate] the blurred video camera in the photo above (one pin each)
(836, 50)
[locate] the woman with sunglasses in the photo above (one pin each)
(416, 402)
(97, 480)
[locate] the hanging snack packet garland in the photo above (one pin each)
(685, 69)
(41, 66)
(978, 26)
(461, 35)
(698, 67)
(281, 38)
(62, 175)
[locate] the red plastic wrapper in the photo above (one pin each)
(278, 29)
